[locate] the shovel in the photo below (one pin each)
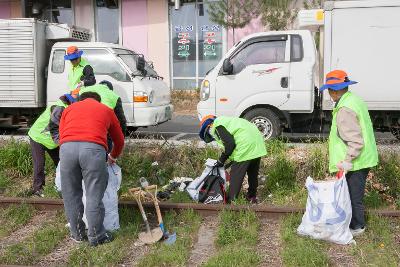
(167, 237)
(151, 236)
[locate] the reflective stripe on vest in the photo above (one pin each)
(337, 148)
(248, 139)
(75, 74)
(39, 131)
(108, 97)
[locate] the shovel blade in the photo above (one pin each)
(151, 237)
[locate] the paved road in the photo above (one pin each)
(185, 127)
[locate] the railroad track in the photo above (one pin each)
(205, 210)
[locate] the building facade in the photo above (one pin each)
(182, 43)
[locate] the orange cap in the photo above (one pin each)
(206, 118)
(72, 49)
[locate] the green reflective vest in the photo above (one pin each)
(39, 131)
(108, 97)
(249, 141)
(337, 148)
(75, 74)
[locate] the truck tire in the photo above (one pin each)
(396, 132)
(266, 121)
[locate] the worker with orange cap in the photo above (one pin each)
(81, 73)
(352, 146)
(243, 144)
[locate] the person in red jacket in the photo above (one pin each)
(83, 138)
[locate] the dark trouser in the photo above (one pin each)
(356, 182)
(238, 171)
(84, 161)
(39, 159)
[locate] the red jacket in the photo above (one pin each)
(90, 121)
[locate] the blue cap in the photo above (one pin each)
(70, 98)
(206, 122)
(73, 56)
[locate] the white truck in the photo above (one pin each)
(272, 78)
(30, 51)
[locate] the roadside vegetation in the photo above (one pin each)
(282, 175)
(39, 244)
(14, 217)
(236, 241)
(186, 225)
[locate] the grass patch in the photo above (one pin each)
(111, 253)
(181, 197)
(281, 175)
(275, 147)
(237, 237)
(14, 217)
(301, 251)
(41, 243)
(186, 224)
(317, 162)
(377, 246)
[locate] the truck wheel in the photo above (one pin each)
(396, 132)
(266, 121)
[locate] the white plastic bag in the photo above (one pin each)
(110, 199)
(328, 211)
(194, 187)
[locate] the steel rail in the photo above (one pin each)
(262, 210)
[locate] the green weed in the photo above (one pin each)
(275, 147)
(111, 253)
(317, 162)
(16, 157)
(301, 251)
(237, 227)
(281, 174)
(181, 197)
(373, 199)
(185, 224)
(14, 217)
(42, 242)
(378, 245)
(388, 173)
(236, 256)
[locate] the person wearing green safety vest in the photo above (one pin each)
(352, 146)
(44, 136)
(109, 98)
(81, 73)
(243, 144)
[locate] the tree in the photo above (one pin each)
(277, 14)
(232, 14)
(312, 4)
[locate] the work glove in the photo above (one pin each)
(219, 164)
(79, 85)
(345, 166)
(110, 160)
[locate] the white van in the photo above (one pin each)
(146, 98)
(272, 78)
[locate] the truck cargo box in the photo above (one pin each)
(22, 63)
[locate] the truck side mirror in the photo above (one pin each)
(227, 67)
(140, 64)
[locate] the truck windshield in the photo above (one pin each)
(130, 59)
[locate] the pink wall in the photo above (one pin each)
(5, 10)
(254, 26)
(134, 25)
(84, 14)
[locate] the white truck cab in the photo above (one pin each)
(272, 78)
(145, 96)
(262, 76)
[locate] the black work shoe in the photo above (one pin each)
(38, 193)
(107, 238)
(79, 239)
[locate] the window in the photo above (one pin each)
(107, 22)
(58, 63)
(59, 11)
(259, 53)
(296, 52)
(104, 63)
(130, 59)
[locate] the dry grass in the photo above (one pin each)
(185, 101)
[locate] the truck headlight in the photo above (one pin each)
(140, 96)
(205, 90)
